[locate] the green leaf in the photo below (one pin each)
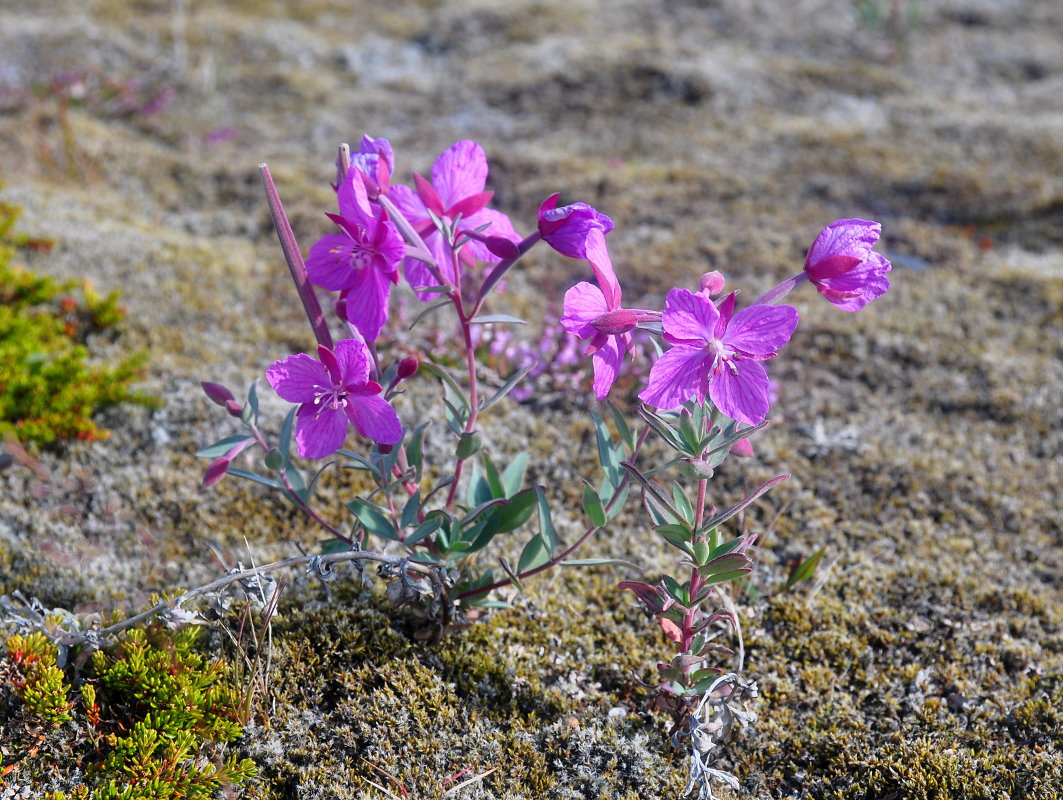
(512, 381)
(675, 590)
(725, 577)
(415, 449)
(513, 476)
(431, 307)
(546, 524)
(616, 503)
(295, 478)
(659, 424)
(730, 562)
(609, 455)
(479, 490)
(511, 574)
(410, 509)
(598, 562)
(313, 481)
(804, 571)
(274, 460)
(330, 546)
(285, 445)
(448, 382)
(455, 417)
(520, 509)
(252, 400)
(426, 528)
(469, 444)
(592, 505)
(676, 534)
(360, 462)
(373, 519)
(494, 480)
(622, 428)
(682, 505)
(723, 516)
(222, 446)
(482, 508)
(481, 534)
(691, 437)
(535, 554)
(496, 319)
(254, 476)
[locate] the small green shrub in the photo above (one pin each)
(140, 728)
(48, 390)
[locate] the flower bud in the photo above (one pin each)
(217, 393)
(711, 283)
(695, 468)
(502, 247)
(407, 368)
(616, 322)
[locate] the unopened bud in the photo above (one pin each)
(616, 322)
(407, 368)
(695, 469)
(217, 393)
(501, 247)
(711, 283)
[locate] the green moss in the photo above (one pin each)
(48, 390)
(147, 712)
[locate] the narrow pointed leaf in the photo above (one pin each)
(513, 475)
(535, 554)
(726, 515)
(592, 505)
(546, 524)
(512, 381)
(222, 446)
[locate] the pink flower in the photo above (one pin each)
(362, 261)
(566, 229)
(375, 162)
(332, 392)
(843, 267)
(594, 312)
(457, 189)
(716, 352)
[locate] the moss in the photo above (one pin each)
(48, 390)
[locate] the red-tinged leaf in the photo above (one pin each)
(653, 597)
(671, 630)
(216, 471)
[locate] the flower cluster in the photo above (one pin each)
(705, 394)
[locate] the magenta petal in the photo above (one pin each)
(598, 256)
(675, 377)
(409, 203)
(354, 361)
(606, 361)
(689, 318)
(859, 287)
(367, 303)
(374, 418)
(460, 171)
(583, 304)
(761, 330)
(844, 237)
(352, 197)
(295, 377)
(319, 430)
(830, 267)
(742, 396)
(331, 262)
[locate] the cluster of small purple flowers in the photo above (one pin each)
(440, 230)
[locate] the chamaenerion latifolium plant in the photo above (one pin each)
(430, 530)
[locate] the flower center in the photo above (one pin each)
(333, 397)
(722, 357)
